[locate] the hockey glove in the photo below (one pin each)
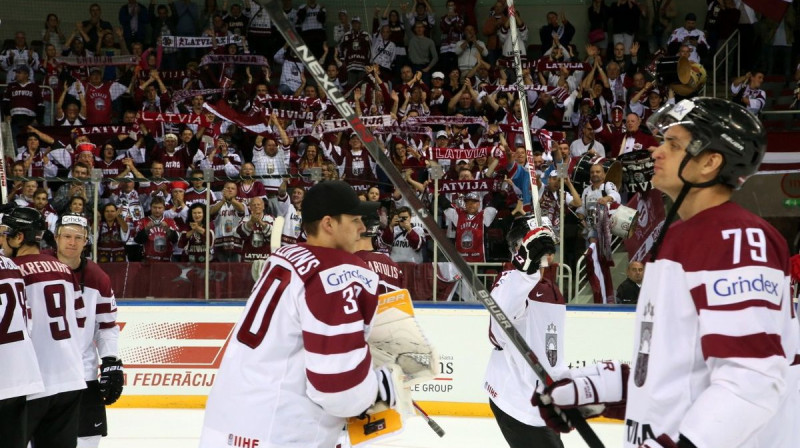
(391, 391)
(536, 244)
(595, 390)
(111, 379)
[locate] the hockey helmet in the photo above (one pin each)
(372, 222)
(73, 219)
(721, 126)
(27, 221)
(519, 228)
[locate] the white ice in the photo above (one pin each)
(180, 428)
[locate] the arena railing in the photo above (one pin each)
(722, 57)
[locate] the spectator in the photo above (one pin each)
(176, 160)
(222, 160)
(422, 52)
(113, 233)
(227, 213)
(272, 159)
(355, 52)
(658, 22)
(550, 204)
(599, 15)
(470, 50)
(405, 238)
(397, 32)
(22, 101)
(689, 35)
(52, 34)
(423, 13)
(342, 28)
(261, 34)
(490, 30)
(157, 234)
(554, 31)
(628, 63)
(164, 23)
(248, 188)
(628, 290)
(452, 27)
(255, 232)
(80, 186)
(505, 38)
(187, 16)
(469, 225)
(236, 20)
(25, 196)
(73, 114)
(19, 55)
(15, 187)
(94, 25)
(599, 194)
(652, 104)
(193, 241)
(199, 188)
(42, 204)
(384, 51)
(99, 96)
(290, 206)
(587, 144)
(625, 15)
(634, 138)
(311, 25)
(746, 90)
(134, 18)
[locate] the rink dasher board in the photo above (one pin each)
(172, 351)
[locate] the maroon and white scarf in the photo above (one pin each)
(198, 41)
(240, 59)
(81, 61)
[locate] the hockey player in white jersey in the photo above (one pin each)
(537, 309)
(16, 351)
(716, 334)
(298, 364)
(57, 313)
(100, 343)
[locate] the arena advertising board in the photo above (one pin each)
(172, 353)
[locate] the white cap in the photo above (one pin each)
(441, 134)
(437, 75)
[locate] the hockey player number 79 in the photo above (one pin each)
(755, 239)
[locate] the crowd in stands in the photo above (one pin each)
(161, 93)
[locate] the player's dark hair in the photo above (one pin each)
(312, 228)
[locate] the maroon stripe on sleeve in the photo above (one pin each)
(759, 345)
(79, 303)
(103, 308)
(106, 325)
(338, 382)
(329, 345)
(81, 322)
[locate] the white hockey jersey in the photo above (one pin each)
(298, 363)
(19, 375)
(715, 336)
(58, 316)
(538, 312)
(102, 333)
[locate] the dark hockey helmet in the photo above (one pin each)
(372, 222)
(27, 221)
(721, 126)
(519, 228)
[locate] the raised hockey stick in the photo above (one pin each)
(277, 232)
(523, 109)
(481, 293)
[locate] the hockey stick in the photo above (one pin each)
(277, 232)
(434, 426)
(523, 109)
(481, 293)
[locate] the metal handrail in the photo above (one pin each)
(727, 47)
(580, 269)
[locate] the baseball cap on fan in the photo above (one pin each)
(332, 198)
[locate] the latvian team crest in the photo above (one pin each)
(551, 344)
(645, 335)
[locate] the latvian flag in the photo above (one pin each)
(773, 9)
(598, 271)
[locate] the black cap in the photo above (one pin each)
(334, 197)
(691, 16)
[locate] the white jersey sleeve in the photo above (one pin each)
(21, 376)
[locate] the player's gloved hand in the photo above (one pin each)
(536, 244)
(392, 393)
(600, 389)
(553, 417)
(111, 379)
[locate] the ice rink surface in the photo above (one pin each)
(180, 428)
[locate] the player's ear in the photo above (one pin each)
(711, 162)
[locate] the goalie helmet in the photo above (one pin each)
(27, 221)
(721, 126)
(519, 228)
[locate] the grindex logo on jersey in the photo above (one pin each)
(747, 283)
(340, 277)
